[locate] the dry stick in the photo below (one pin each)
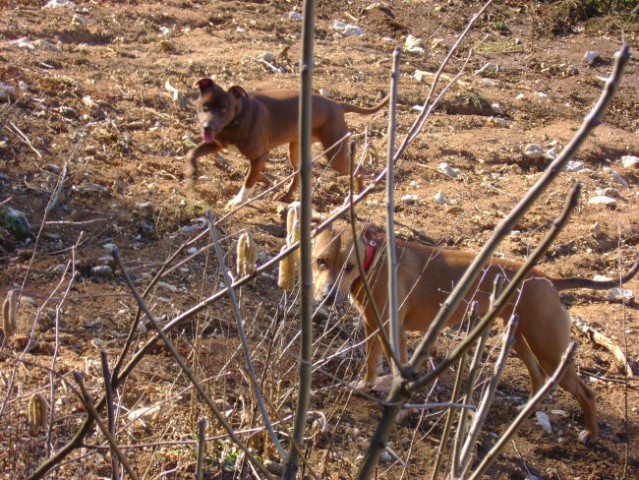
(491, 456)
(86, 400)
(106, 374)
(242, 332)
(201, 444)
(306, 274)
(482, 412)
(473, 316)
(185, 368)
(400, 393)
(26, 140)
(391, 253)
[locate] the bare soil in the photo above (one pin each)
(91, 110)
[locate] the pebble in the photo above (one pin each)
(102, 271)
(447, 170)
(385, 456)
(497, 108)
(293, 16)
(574, 166)
(59, 3)
(15, 221)
(591, 57)
(488, 70)
(409, 199)
(544, 421)
(603, 200)
(414, 44)
(7, 92)
(627, 161)
(620, 295)
(348, 30)
(616, 177)
(440, 198)
(533, 152)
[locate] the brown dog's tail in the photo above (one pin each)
(348, 108)
(568, 283)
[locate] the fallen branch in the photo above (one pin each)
(603, 341)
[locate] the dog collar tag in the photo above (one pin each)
(370, 253)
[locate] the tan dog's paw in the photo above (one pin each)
(383, 383)
(361, 386)
(285, 197)
(587, 438)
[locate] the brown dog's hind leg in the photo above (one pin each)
(525, 354)
(293, 156)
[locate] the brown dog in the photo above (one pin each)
(426, 275)
(257, 122)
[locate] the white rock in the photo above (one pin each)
(541, 94)
(497, 108)
(574, 166)
(109, 246)
(191, 250)
(591, 57)
(440, 198)
(521, 96)
(6, 91)
(409, 199)
(601, 278)
(59, 3)
(348, 30)
(447, 170)
(293, 16)
(533, 152)
(385, 456)
(24, 43)
(414, 44)
(616, 177)
(620, 295)
(629, 161)
(603, 200)
(544, 421)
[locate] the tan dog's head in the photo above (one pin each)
(334, 261)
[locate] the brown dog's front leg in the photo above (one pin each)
(190, 167)
(255, 172)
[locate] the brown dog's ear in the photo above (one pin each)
(204, 84)
(237, 91)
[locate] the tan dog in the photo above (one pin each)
(257, 122)
(426, 275)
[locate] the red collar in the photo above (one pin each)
(370, 254)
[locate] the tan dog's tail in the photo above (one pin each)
(348, 108)
(568, 283)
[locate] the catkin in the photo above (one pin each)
(246, 255)
(37, 413)
(286, 278)
(9, 323)
(293, 223)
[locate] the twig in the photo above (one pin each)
(242, 332)
(86, 400)
(306, 273)
(106, 374)
(391, 253)
(525, 412)
(201, 445)
(26, 140)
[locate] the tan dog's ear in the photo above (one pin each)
(369, 232)
(237, 91)
(204, 84)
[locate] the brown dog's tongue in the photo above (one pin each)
(209, 137)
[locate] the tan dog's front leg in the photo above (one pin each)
(190, 167)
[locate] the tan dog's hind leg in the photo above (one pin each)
(525, 354)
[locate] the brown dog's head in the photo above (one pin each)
(334, 261)
(217, 108)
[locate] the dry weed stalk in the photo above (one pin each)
(37, 413)
(9, 313)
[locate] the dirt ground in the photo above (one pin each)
(92, 146)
